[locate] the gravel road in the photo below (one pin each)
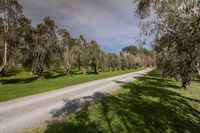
(24, 113)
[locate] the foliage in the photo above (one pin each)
(10, 14)
(176, 29)
(44, 50)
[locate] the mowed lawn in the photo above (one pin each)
(150, 105)
(18, 83)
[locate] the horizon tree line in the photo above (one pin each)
(46, 46)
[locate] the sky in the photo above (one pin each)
(110, 22)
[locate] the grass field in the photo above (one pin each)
(18, 83)
(150, 105)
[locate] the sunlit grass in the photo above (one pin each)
(18, 83)
(150, 105)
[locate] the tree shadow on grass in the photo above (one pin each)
(18, 81)
(11, 73)
(148, 106)
(54, 74)
(29, 79)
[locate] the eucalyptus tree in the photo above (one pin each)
(114, 62)
(44, 51)
(67, 51)
(83, 56)
(129, 55)
(133, 50)
(131, 62)
(132, 57)
(10, 12)
(26, 40)
(124, 60)
(176, 29)
(1, 40)
(94, 51)
(103, 61)
(144, 57)
(78, 51)
(182, 46)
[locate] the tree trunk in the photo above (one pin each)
(198, 68)
(5, 57)
(84, 71)
(40, 73)
(68, 63)
(187, 84)
(68, 72)
(79, 65)
(198, 72)
(95, 68)
(6, 29)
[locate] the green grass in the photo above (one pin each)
(150, 105)
(18, 83)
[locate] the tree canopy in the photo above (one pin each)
(176, 36)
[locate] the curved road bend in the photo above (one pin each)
(18, 115)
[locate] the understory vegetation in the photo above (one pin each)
(151, 104)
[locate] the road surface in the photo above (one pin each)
(21, 114)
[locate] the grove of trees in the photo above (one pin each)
(175, 26)
(47, 47)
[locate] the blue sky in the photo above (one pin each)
(110, 22)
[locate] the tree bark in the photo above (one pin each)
(95, 68)
(68, 64)
(40, 73)
(198, 68)
(68, 72)
(4, 57)
(84, 71)
(187, 84)
(6, 29)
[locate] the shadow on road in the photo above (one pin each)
(74, 105)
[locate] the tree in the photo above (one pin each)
(114, 62)
(176, 28)
(67, 50)
(103, 61)
(94, 53)
(10, 12)
(26, 41)
(82, 57)
(124, 60)
(132, 57)
(44, 51)
(133, 50)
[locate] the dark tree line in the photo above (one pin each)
(45, 46)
